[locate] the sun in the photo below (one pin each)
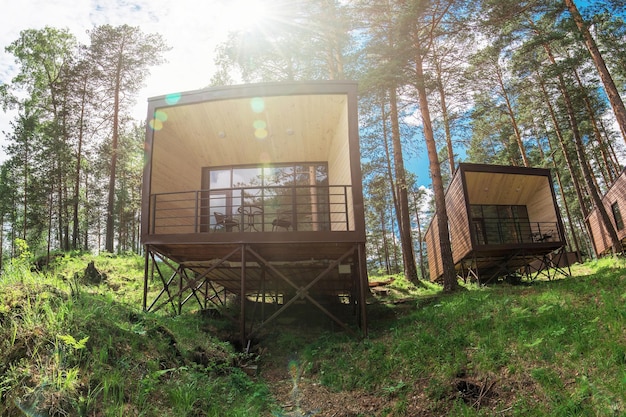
(243, 15)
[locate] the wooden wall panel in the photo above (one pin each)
(458, 223)
(540, 204)
(433, 250)
(599, 235)
(339, 174)
(617, 193)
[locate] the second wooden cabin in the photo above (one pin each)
(503, 221)
(614, 202)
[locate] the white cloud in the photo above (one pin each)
(191, 27)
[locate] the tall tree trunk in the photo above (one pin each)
(609, 86)
(26, 161)
(557, 174)
(49, 228)
(420, 246)
(77, 170)
(1, 240)
(388, 159)
(445, 116)
(616, 244)
(615, 163)
(607, 171)
(394, 194)
(449, 274)
(511, 113)
(385, 242)
(404, 222)
(86, 228)
(110, 222)
(568, 160)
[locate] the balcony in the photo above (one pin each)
(250, 210)
(511, 232)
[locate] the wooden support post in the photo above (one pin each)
(180, 290)
(145, 277)
(263, 292)
(363, 287)
(242, 319)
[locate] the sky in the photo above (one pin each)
(192, 28)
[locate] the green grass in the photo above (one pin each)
(542, 348)
(555, 348)
(67, 348)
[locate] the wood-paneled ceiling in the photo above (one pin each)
(504, 188)
(248, 130)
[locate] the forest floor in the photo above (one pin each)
(71, 347)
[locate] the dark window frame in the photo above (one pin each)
(232, 199)
(617, 216)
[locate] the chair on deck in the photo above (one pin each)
(224, 221)
(542, 236)
(283, 219)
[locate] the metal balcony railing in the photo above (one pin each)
(253, 209)
(506, 232)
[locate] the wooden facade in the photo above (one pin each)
(501, 220)
(255, 191)
(614, 202)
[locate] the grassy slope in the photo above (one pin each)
(548, 348)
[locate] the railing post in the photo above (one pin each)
(345, 200)
(294, 210)
(197, 214)
(153, 214)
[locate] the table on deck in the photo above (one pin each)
(250, 212)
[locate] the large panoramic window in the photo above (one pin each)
(297, 194)
(617, 216)
(500, 224)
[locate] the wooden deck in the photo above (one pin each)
(280, 273)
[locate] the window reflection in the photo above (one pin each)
(296, 191)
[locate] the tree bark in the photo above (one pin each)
(406, 239)
(616, 244)
(446, 118)
(420, 246)
(511, 113)
(609, 86)
(449, 274)
(110, 221)
(607, 171)
(77, 171)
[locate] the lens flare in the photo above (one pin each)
(157, 121)
(155, 124)
(293, 369)
(173, 98)
(264, 157)
(160, 115)
(261, 133)
(244, 15)
(257, 104)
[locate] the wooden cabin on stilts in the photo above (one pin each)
(615, 205)
(254, 193)
(504, 223)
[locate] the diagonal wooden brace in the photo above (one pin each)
(302, 291)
